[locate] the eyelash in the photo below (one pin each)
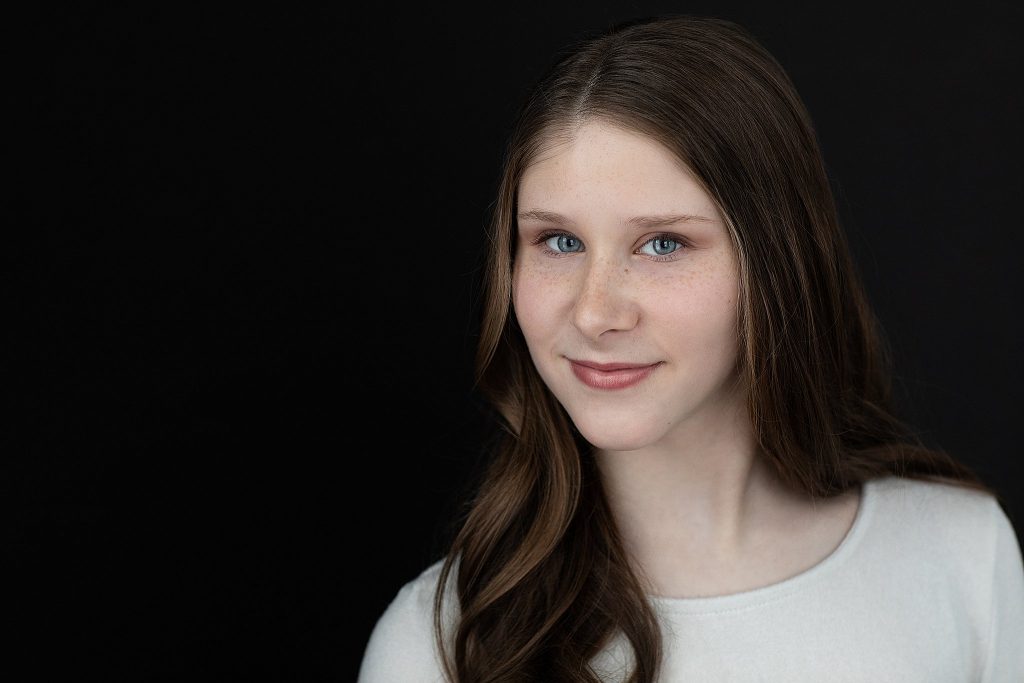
(545, 236)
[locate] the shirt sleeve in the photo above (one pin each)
(401, 646)
(1005, 662)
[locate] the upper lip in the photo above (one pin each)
(608, 367)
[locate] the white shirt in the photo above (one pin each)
(927, 585)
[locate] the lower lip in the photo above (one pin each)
(611, 379)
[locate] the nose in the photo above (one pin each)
(605, 301)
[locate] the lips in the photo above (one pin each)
(611, 375)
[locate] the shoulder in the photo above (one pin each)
(973, 555)
(401, 646)
(953, 529)
(951, 502)
(944, 562)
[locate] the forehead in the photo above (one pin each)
(601, 166)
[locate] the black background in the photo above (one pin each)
(242, 260)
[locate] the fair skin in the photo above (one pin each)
(699, 510)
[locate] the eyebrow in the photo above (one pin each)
(637, 221)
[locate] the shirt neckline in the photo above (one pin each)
(755, 596)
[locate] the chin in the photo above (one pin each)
(607, 435)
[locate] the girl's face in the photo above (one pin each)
(622, 258)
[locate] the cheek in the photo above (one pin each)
(699, 318)
(522, 304)
(533, 301)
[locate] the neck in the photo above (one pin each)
(704, 490)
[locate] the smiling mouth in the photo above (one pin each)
(611, 375)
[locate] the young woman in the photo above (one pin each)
(699, 476)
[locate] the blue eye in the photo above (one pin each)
(663, 246)
(563, 243)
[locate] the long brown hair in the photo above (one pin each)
(542, 578)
